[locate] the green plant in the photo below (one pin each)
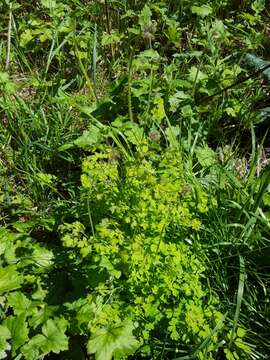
(134, 171)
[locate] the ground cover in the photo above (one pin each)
(134, 179)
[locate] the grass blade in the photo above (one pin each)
(240, 294)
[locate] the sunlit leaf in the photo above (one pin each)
(108, 341)
(89, 138)
(202, 11)
(206, 156)
(10, 279)
(20, 303)
(18, 330)
(4, 345)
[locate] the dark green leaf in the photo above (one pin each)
(259, 64)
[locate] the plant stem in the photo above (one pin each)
(9, 37)
(129, 88)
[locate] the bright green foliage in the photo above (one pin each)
(53, 336)
(52, 339)
(18, 330)
(20, 303)
(4, 345)
(74, 237)
(10, 279)
(141, 222)
(206, 156)
(140, 279)
(201, 11)
(117, 342)
(32, 261)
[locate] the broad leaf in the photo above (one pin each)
(24, 227)
(134, 134)
(89, 138)
(18, 329)
(172, 132)
(158, 112)
(202, 11)
(259, 64)
(258, 6)
(26, 37)
(4, 77)
(54, 338)
(32, 349)
(10, 279)
(206, 156)
(41, 314)
(105, 263)
(114, 340)
(196, 75)
(42, 257)
(20, 303)
(145, 16)
(49, 3)
(4, 345)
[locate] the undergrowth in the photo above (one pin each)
(134, 180)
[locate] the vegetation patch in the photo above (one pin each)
(134, 180)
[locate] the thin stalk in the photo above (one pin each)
(50, 57)
(90, 216)
(128, 155)
(164, 345)
(129, 89)
(107, 17)
(107, 13)
(53, 51)
(150, 90)
(95, 63)
(195, 81)
(9, 37)
(237, 82)
(83, 70)
(240, 294)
